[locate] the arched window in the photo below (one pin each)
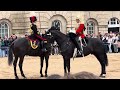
(113, 22)
(56, 23)
(90, 27)
(3, 29)
(113, 25)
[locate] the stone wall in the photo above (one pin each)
(20, 23)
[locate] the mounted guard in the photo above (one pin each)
(35, 33)
(78, 37)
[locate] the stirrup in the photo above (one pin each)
(75, 53)
(81, 53)
(85, 44)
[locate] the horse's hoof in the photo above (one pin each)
(65, 74)
(46, 75)
(102, 75)
(25, 78)
(68, 73)
(16, 77)
(42, 75)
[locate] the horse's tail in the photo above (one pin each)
(106, 59)
(10, 54)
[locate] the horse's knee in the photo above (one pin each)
(41, 65)
(20, 65)
(46, 64)
(14, 63)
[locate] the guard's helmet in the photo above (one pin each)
(78, 17)
(33, 19)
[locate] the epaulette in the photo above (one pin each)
(30, 30)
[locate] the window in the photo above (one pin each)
(90, 27)
(113, 21)
(3, 29)
(56, 24)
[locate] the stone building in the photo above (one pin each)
(96, 21)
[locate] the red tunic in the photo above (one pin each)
(80, 30)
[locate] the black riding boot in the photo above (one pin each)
(79, 46)
(84, 41)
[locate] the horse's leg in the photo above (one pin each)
(42, 58)
(14, 64)
(101, 59)
(68, 66)
(20, 66)
(65, 71)
(46, 59)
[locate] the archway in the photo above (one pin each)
(60, 22)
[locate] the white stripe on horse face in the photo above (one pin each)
(49, 34)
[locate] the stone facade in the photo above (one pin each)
(18, 21)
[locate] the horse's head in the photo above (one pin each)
(56, 35)
(49, 34)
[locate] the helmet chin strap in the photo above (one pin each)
(34, 22)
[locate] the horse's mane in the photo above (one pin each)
(59, 33)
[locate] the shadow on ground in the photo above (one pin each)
(80, 75)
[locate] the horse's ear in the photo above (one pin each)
(52, 28)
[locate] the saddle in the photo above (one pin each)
(34, 43)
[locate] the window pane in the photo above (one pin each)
(2, 35)
(6, 30)
(117, 22)
(2, 26)
(2, 30)
(111, 22)
(91, 24)
(91, 28)
(89, 32)
(6, 34)
(112, 19)
(6, 26)
(92, 31)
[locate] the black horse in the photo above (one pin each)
(94, 46)
(21, 47)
